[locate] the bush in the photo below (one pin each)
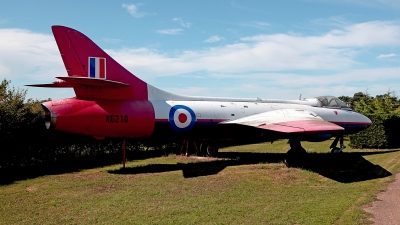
(383, 133)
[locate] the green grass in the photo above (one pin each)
(247, 185)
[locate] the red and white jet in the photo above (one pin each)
(112, 102)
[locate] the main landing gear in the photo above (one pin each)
(296, 155)
(296, 148)
(334, 147)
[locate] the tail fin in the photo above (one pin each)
(85, 60)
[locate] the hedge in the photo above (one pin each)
(383, 133)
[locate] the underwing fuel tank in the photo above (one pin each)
(128, 119)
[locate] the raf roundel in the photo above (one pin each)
(181, 118)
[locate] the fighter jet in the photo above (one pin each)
(111, 102)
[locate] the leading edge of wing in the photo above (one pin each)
(288, 121)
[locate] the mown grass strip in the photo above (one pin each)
(247, 185)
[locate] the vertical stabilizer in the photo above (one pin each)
(83, 58)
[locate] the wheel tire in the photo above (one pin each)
(292, 151)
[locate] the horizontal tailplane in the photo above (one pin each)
(70, 82)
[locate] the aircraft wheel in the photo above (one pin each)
(295, 157)
(296, 151)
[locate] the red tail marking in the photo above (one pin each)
(102, 69)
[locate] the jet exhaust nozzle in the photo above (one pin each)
(50, 118)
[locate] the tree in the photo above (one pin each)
(346, 99)
(16, 112)
(382, 104)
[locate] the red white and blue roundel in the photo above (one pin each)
(181, 118)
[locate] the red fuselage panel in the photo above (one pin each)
(128, 119)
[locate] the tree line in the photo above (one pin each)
(364, 103)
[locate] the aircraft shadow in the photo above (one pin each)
(344, 168)
(69, 165)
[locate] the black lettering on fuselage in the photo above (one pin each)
(117, 118)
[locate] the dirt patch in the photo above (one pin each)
(32, 188)
(386, 209)
(281, 174)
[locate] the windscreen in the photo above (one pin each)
(331, 102)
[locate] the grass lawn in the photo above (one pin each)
(246, 185)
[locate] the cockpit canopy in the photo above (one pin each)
(331, 102)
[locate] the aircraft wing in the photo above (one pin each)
(288, 121)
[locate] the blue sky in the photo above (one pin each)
(266, 49)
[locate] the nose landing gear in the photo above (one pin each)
(334, 147)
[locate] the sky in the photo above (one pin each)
(246, 49)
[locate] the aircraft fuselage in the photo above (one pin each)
(174, 119)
